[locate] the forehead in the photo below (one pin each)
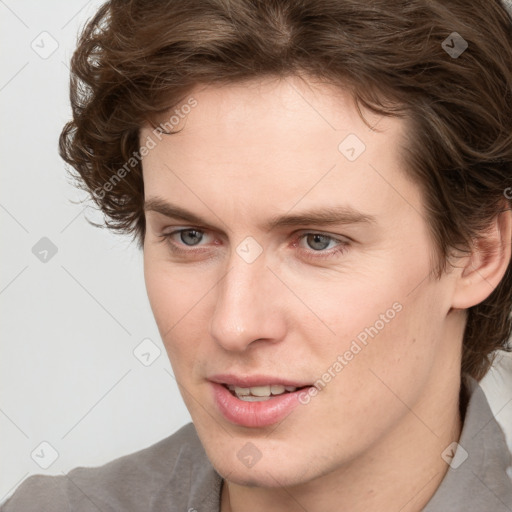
(277, 104)
(272, 142)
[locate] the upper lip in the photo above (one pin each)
(248, 381)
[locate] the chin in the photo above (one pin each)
(268, 480)
(270, 474)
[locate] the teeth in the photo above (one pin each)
(277, 389)
(242, 391)
(260, 392)
(249, 398)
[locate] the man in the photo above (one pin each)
(320, 192)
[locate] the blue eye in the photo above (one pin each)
(318, 239)
(195, 237)
(322, 241)
(318, 242)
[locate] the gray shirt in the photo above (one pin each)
(174, 475)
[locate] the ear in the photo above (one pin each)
(485, 267)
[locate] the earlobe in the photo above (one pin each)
(485, 267)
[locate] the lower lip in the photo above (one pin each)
(254, 414)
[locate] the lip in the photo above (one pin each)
(254, 414)
(254, 380)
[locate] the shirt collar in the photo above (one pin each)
(476, 479)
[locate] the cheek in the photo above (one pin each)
(161, 293)
(169, 290)
(389, 319)
(169, 295)
(400, 353)
(348, 305)
(179, 302)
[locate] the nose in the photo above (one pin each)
(247, 305)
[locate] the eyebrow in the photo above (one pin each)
(318, 216)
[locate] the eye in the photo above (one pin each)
(189, 237)
(317, 242)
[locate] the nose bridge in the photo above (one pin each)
(244, 309)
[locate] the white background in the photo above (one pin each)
(70, 325)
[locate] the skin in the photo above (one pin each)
(372, 438)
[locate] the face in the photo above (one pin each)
(340, 306)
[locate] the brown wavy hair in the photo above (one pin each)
(136, 59)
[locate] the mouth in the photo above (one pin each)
(255, 401)
(261, 393)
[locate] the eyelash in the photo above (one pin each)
(313, 255)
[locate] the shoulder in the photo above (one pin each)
(477, 477)
(138, 481)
